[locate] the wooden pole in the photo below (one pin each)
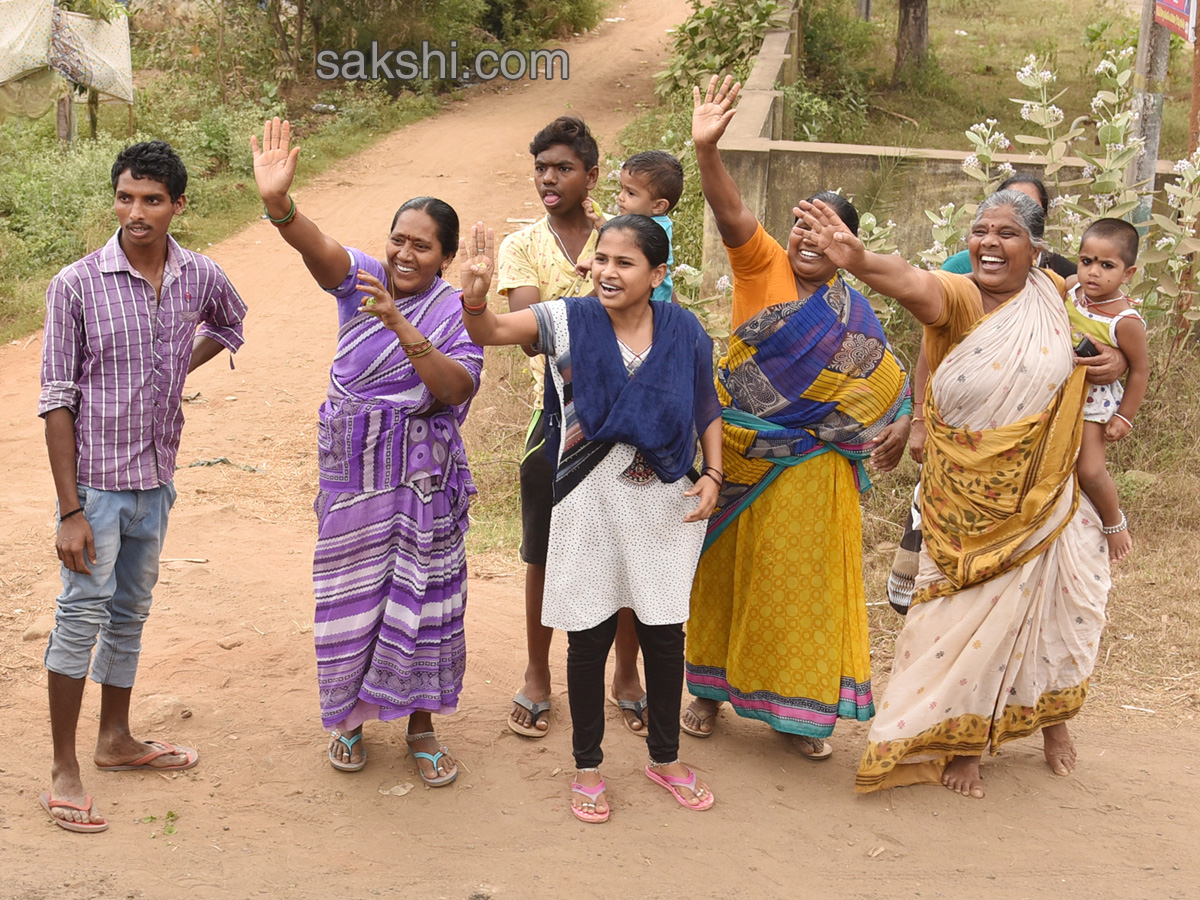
(1194, 116)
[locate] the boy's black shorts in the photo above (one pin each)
(537, 493)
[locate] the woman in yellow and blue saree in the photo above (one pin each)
(811, 392)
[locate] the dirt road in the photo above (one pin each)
(228, 662)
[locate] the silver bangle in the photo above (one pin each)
(1115, 529)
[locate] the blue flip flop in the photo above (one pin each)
(433, 758)
(338, 738)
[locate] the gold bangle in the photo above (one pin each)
(424, 351)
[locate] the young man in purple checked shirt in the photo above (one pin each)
(124, 327)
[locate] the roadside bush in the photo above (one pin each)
(830, 102)
(723, 36)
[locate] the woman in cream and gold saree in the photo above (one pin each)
(1009, 597)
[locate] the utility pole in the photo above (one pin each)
(1150, 76)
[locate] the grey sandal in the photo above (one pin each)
(536, 710)
(637, 707)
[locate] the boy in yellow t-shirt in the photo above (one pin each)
(535, 264)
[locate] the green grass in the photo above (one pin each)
(55, 204)
(970, 77)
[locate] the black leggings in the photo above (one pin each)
(662, 657)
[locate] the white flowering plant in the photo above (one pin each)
(1164, 283)
(1109, 193)
(688, 283)
(950, 224)
(986, 143)
(1051, 148)
(878, 238)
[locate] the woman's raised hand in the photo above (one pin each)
(711, 115)
(477, 251)
(275, 160)
(833, 238)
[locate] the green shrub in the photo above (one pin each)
(830, 101)
(722, 37)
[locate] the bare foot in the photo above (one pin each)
(67, 785)
(590, 809)
(537, 689)
(347, 756)
(700, 717)
(1119, 545)
(962, 776)
(1059, 748)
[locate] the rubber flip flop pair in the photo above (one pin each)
(160, 749)
(637, 707)
(50, 805)
(674, 782)
(432, 758)
(592, 817)
(345, 765)
(536, 711)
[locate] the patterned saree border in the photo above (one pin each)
(965, 735)
(790, 715)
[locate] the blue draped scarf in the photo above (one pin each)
(661, 408)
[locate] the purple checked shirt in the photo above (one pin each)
(117, 357)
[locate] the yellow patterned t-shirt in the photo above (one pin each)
(532, 257)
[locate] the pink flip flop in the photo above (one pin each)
(673, 782)
(592, 818)
(161, 748)
(82, 827)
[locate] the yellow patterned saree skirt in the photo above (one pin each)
(778, 621)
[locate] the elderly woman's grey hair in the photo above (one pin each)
(1030, 215)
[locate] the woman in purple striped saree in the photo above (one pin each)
(389, 570)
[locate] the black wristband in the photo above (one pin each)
(73, 512)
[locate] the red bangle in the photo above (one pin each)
(475, 309)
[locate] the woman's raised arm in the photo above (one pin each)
(917, 290)
(710, 117)
(274, 169)
(484, 326)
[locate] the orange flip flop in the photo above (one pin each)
(161, 748)
(50, 805)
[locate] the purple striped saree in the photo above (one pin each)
(389, 571)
